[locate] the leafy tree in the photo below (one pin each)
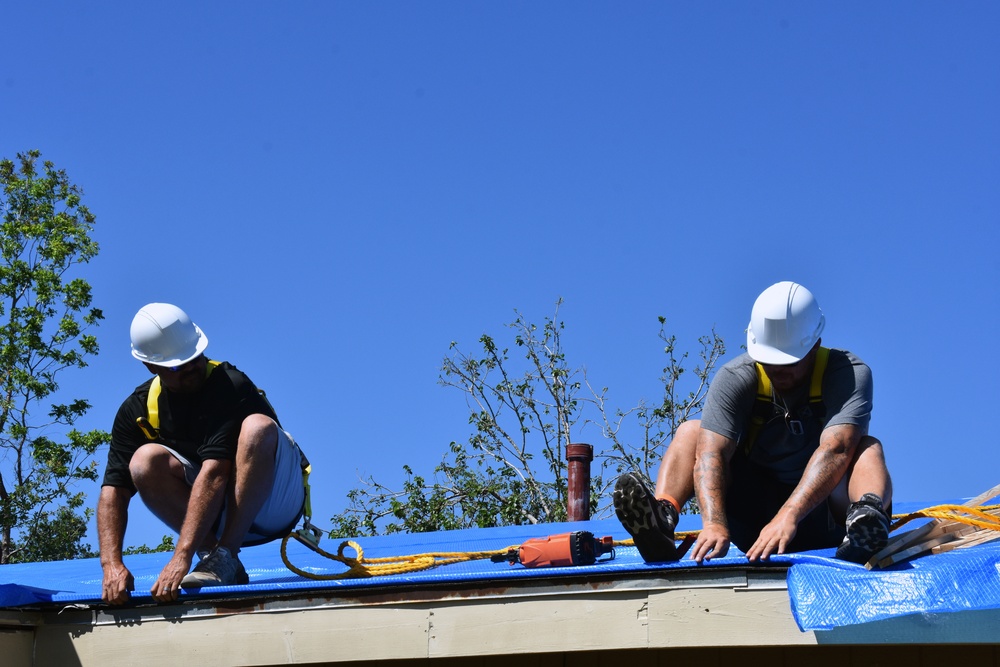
(45, 316)
(523, 410)
(56, 535)
(166, 545)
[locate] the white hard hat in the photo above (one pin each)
(785, 323)
(163, 335)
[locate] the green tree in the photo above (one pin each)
(523, 410)
(166, 545)
(45, 318)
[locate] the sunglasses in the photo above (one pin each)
(186, 364)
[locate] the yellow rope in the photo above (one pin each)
(979, 517)
(359, 566)
(677, 536)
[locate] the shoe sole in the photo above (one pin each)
(192, 580)
(866, 536)
(634, 508)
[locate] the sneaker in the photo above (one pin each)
(218, 568)
(867, 530)
(649, 520)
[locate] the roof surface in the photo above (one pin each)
(823, 592)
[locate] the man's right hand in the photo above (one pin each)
(712, 542)
(118, 582)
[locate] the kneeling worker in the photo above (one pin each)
(204, 450)
(781, 460)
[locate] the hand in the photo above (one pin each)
(118, 581)
(167, 587)
(712, 542)
(774, 538)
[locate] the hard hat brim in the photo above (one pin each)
(772, 356)
(200, 346)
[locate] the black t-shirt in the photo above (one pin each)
(199, 426)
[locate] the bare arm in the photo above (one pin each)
(826, 467)
(112, 517)
(711, 473)
(207, 495)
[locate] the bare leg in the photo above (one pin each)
(648, 517)
(675, 478)
(252, 480)
(159, 478)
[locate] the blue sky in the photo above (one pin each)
(336, 191)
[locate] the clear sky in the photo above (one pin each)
(335, 191)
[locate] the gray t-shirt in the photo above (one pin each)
(847, 396)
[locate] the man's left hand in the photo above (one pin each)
(168, 585)
(774, 538)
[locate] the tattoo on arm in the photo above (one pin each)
(711, 474)
(826, 467)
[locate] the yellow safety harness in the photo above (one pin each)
(763, 409)
(150, 423)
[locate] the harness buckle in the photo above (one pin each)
(309, 535)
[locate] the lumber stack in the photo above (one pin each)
(939, 535)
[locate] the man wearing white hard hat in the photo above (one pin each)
(203, 448)
(781, 459)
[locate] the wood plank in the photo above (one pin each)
(539, 625)
(979, 537)
(938, 541)
(307, 636)
(723, 617)
(922, 547)
(927, 532)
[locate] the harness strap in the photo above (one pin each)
(763, 408)
(150, 424)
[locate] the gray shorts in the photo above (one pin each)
(282, 509)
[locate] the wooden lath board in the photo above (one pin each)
(936, 535)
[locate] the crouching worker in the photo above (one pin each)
(204, 450)
(781, 460)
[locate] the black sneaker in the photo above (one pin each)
(649, 520)
(867, 530)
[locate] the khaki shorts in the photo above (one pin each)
(282, 509)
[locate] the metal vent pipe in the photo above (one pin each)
(579, 456)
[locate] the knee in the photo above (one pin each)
(148, 462)
(688, 430)
(686, 436)
(258, 434)
(870, 448)
(684, 443)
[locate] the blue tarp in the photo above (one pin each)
(823, 592)
(829, 594)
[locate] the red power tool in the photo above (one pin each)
(577, 548)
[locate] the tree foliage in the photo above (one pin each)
(526, 403)
(45, 319)
(166, 545)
